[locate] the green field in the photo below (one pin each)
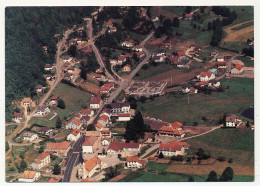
(151, 166)
(74, 100)
(246, 60)
(153, 71)
(235, 45)
(237, 144)
(178, 10)
(243, 26)
(235, 99)
(243, 15)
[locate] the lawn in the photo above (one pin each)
(238, 97)
(178, 10)
(244, 13)
(74, 100)
(144, 149)
(151, 166)
(153, 70)
(163, 177)
(234, 45)
(246, 60)
(236, 178)
(237, 144)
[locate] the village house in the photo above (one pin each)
(78, 40)
(237, 70)
(134, 162)
(138, 48)
(181, 54)
(168, 45)
(214, 83)
(201, 83)
(70, 69)
(124, 117)
(107, 112)
(139, 54)
(41, 160)
(157, 59)
(99, 77)
(66, 58)
(106, 88)
(29, 136)
(174, 148)
(68, 76)
(222, 64)
(113, 61)
(86, 112)
(154, 19)
(74, 123)
(90, 144)
(120, 108)
(30, 176)
(205, 76)
(180, 64)
(185, 89)
(174, 60)
(160, 52)
(85, 119)
(42, 111)
(54, 100)
(126, 68)
(105, 141)
(232, 121)
(121, 59)
(59, 148)
(112, 29)
(18, 116)
(39, 88)
(26, 101)
(188, 16)
(193, 90)
(128, 44)
(117, 147)
(89, 167)
(48, 67)
(109, 24)
(74, 135)
(105, 133)
(98, 126)
(170, 131)
(104, 120)
(95, 102)
(220, 58)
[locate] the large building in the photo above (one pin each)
(173, 148)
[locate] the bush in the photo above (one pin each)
(61, 104)
(221, 159)
(177, 158)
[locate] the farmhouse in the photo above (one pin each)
(74, 135)
(104, 120)
(74, 123)
(126, 68)
(99, 77)
(54, 100)
(95, 102)
(180, 64)
(58, 148)
(41, 160)
(86, 112)
(171, 132)
(39, 88)
(26, 101)
(232, 121)
(214, 83)
(188, 16)
(112, 29)
(174, 60)
(109, 23)
(90, 144)
(128, 44)
(66, 58)
(138, 48)
(106, 133)
(120, 108)
(174, 148)
(30, 176)
(121, 59)
(222, 64)
(98, 126)
(68, 76)
(18, 116)
(105, 141)
(158, 59)
(134, 162)
(53, 180)
(237, 70)
(28, 136)
(89, 167)
(139, 54)
(48, 67)
(124, 117)
(205, 76)
(117, 147)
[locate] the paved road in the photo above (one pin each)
(73, 158)
(95, 50)
(133, 73)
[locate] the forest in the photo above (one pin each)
(27, 30)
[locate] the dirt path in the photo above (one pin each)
(237, 35)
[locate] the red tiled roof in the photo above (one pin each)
(75, 132)
(103, 117)
(202, 83)
(138, 46)
(54, 97)
(116, 145)
(174, 59)
(95, 100)
(99, 125)
(172, 146)
(239, 67)
(105, 132)
(204, 74)
(18, 114)
(109, 23)
(92, 163)
(222, 63)
(121, 58)
(28, 174)
(177, 124)
(98, 76)
(181, 53)
(124, 115)
(85, 111)
(85, 180)
(26, 100)
(231, 118)
(76, 121)
(113, 28)
(188, 15)
(42, 156)
(166, 128)
(53, 180)
(139, 53)
(90, 141)
(60, 146)
(134, 159)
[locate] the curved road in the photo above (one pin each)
(59, 66)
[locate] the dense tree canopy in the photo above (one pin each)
(27, 30)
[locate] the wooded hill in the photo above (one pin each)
(27, 30)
